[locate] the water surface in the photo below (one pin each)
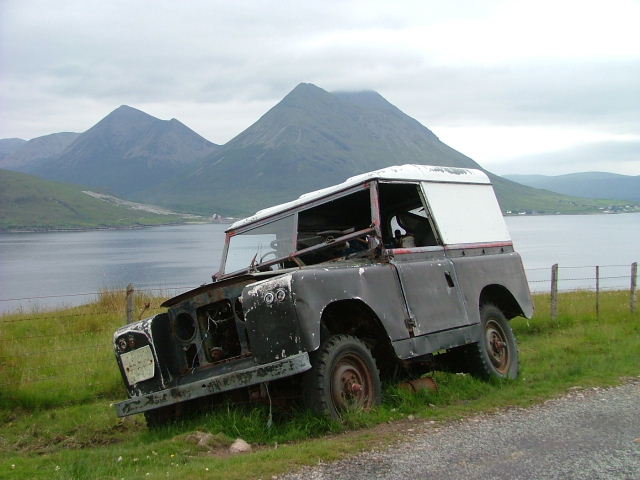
(175, 258)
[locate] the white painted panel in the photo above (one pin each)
(138, 365)
(398, 172)
(466, 213)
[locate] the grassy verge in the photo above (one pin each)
(64, 428)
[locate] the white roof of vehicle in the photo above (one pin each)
(426, 173)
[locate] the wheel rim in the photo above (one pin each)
(497, 346)
(351, 383)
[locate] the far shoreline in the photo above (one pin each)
(231, 220)
(97, 228)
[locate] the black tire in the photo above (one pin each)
(496, 353)
(343, 377)
(163, 416)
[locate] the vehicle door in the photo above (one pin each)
(426, 274)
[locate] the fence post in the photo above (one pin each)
(634, 280)
(554, 291)
(130, 303)
(598, 292)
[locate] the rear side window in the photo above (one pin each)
(466, 213)
(405, 221)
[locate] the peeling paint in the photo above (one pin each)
(253, 327)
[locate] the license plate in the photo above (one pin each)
(138, 364)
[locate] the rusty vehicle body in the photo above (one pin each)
(336, 288)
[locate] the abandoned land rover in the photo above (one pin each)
(323, 295)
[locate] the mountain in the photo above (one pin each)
(586, 184)
(312, 139)
(10, 145)
(309, 140)
(127, 151)
(31, 203)
(37, 151)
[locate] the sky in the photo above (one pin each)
(547, 87)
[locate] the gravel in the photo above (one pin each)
(586, 434)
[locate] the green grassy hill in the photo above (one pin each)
(30, 203)
(515, 198)
(586, 184)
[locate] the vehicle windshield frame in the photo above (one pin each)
(252, 227)
(373, 231)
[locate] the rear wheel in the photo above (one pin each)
(496, 353)
(343, 377)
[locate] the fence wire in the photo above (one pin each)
(33, 341)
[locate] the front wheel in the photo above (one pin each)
(496, 353)
(343, 377)
(163, 416)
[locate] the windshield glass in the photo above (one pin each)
(259, 245)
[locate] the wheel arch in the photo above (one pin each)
(502, 298)
(354, 317)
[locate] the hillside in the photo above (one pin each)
(127, 151)
(37, 151)
(309, 140)
(10, 145)
(586, 184)
(312, 139)
(30, 203)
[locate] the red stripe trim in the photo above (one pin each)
(404, 251)
(459, 246)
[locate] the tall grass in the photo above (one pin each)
(70, 421)
(64, 357)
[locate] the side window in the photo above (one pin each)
(325, 224)
(466, 213)
(405, 219)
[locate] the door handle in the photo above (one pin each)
(449, 279)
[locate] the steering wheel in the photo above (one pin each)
(271, 252)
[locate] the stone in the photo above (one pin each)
(239, 446)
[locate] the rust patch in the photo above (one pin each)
(425, 383)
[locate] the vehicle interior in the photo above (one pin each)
(343, 228)
(405, 222)
(341, 225)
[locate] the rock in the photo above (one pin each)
(206, 440)
(239, 446)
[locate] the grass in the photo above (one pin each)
(31, 203)
(64, 428)
(51, 359)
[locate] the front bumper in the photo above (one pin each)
(221, 383)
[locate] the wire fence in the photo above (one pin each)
(72, 348)
(539, 279)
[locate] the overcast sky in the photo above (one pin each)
(521, 87)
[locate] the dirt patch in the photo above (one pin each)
(38, 442)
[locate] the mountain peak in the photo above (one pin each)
(125, 149)
(303, 87)
(305, 92)
(365, 99)
(125, 111)
(127, 108)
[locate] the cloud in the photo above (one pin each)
(612, 156)
(218, 66)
